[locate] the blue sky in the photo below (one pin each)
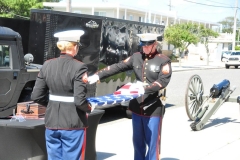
(183, 8)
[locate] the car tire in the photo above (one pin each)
(236, 66)
(227, 66)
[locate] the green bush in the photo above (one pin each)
(237, 48)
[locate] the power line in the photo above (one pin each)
(209, 4)
(218, 2)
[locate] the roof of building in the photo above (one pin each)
(171, 14)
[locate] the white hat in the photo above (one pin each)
(71, 35)
(148, 36)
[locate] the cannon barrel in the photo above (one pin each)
(216, 89)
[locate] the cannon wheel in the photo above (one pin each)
(193, 96)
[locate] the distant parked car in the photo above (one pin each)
(233, 59)
(6, 61)
(225, 55)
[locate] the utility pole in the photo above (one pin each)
(235, 27)
(170, 5)
(69, 6)
(170, 8)
(238, 34)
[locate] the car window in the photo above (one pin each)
(4, 56)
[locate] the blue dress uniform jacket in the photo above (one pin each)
(155, 70)
(67, 77)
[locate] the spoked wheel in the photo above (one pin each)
(193, 96)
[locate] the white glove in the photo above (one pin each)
(138, 86)
(93, 79)
(93, 105)
(141, 83)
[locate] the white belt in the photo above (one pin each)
(61, 98)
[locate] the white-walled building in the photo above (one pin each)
(133, 13)
(121, 11)
(216, 45)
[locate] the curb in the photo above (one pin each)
(196, 68)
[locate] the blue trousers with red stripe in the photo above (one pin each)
(146, 137)
(65, 144)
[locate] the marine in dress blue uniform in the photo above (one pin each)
(153, 69)
(64, 78)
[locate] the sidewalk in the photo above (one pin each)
(218, 140)
(194, 63)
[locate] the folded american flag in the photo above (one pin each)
(127, 89)
(125, 93)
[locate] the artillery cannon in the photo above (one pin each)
(200, 108)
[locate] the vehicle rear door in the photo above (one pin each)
(9, 71)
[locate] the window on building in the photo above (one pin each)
(100, 13)
(131, 17)
(148, 20)
(140, 19)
